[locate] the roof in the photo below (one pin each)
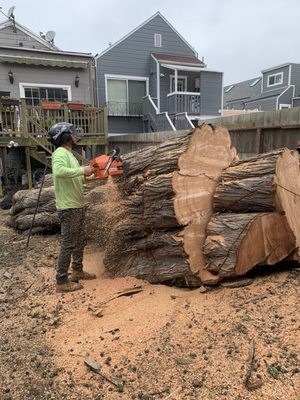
(29, 33)
(168, 58)
(269, 94)
(59, 52)
(47, 62)
(140, 26)
(242, 90)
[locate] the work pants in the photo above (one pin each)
(73, 240)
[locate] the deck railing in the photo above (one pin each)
(156, 121)
(178, 102)
(23, 120)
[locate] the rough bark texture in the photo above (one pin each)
(167, 203)
(239, 235)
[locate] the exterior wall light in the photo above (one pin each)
(11, 77)
(76, 80)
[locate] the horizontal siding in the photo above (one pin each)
(295, 80)
(296, 103)
(262, 104)
(285, 71)
(211, 93)
(46, 75)
(286, 98)
(125, 125)
(10, 38)
(132, 56)
(153, 79)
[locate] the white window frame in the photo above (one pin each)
(283, 106)
(23, 85)
(275, 84)
(255, 82)
(184, 77)
(157, 40)
(125, 78)
(227, 90)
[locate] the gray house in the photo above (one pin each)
(277, 88)
(32, 67)
(152, 79)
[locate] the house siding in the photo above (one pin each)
(285, 82)
(210, 91)
(10, 38)
(132, 55)
(295, 78)
(46, 75)
(286, 97)
(125, 125)
(262, 105)
(153, 79)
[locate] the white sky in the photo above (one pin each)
(237, 37)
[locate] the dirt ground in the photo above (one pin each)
(162, 342)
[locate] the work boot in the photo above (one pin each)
(81, 275)
(68, 287)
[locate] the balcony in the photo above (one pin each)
(125, 109)
(179, 102)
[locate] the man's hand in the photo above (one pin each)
(88, 171)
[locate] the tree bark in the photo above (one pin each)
(239, 235)
(166, 203)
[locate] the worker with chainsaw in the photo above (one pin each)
(68, 177)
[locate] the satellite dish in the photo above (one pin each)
(50, 35)
(10, 12)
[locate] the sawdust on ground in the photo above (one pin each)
(163, 342)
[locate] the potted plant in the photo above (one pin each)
(75, 105)
(51, 105)
(9, 101)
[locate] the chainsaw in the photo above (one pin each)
(106, 165)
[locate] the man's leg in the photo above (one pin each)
(67, 246)
(77, 255)
(79, 240)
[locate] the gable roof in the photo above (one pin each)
(242, 90)
(139, 27)
(178, 59)
(28, 32)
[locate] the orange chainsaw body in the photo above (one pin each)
(104, 166)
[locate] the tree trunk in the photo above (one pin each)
(239, 235)
(165, 206)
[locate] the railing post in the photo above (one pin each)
(24, 118)
(66, 112)
(105, 121)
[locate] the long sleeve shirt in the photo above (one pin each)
(68, 179)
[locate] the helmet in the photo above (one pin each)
(57, 131)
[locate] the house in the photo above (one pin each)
(40, 85)
(34, 68)
(152, 79)
(278, 87)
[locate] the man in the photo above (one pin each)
(68, 179)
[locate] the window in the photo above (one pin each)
(275, 79)
(181, 84)
(229, 88)
(157, 40)
(125, 96)
(34, 96)
(254, 82)
(34, 93)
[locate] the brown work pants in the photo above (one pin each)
(73, 241)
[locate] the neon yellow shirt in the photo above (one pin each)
(68, 179)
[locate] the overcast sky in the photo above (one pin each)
(237, 37)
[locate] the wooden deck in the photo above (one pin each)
(27, 126)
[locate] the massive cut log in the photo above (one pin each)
(238, 242)
(165, 205)
(239, 235)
